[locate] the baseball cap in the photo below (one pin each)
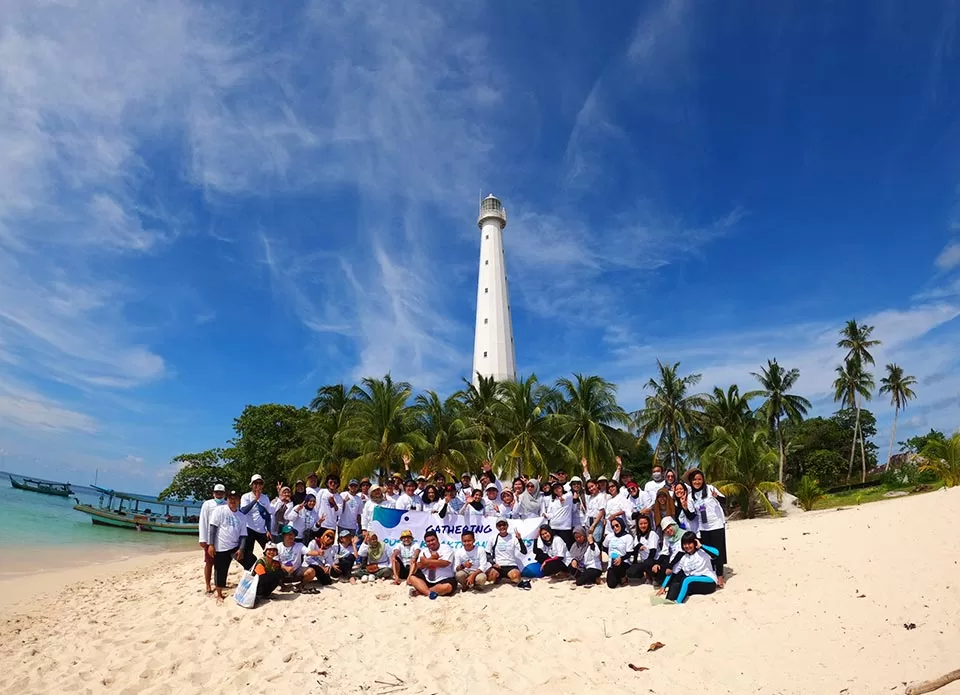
(502, 522)
(353, 481)
(345, 532)
(219, 488)
(233, 493)
(421, 477)
(255, 478)
(666, 522)
(270, 546)
(491, 486)
(375, 488)
(287, 529)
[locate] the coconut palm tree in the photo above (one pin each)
(855, 339)
(898, 385)
(381, 427)
(531, 433)
(453, 443)
(943, 458)
(671, 411)
(852, 384)
(746, 465)
(322, 451)
(779, 402)
(482, 400)
(587, 413)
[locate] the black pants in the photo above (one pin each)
(716, 539)
(344, 565)
(566, 534)
(221, 566)
(403, 571)
(324, 578)
(588, 576)
(681, 587)
(615, 573)
(253, 537)
(268, 583)
(552, 566)
(642, 569)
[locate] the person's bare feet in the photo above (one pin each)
(720, 582)
(219, 599)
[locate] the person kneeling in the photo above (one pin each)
(269, 570)
(693, 571)
(432, 572)
(471, 563)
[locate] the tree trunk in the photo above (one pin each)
(853, 448)
(782, 454)
(863, 460)
(893, 436)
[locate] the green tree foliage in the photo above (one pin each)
(198, 473)
(453, 441)
(532, 433)
(916, 444)
(264, 433)
(899, 387)
(779, 403)
(745, 467)
(671, 412)
(809, 492)
(635, 452)
(825, 465)
(943, 458)
(586, 418)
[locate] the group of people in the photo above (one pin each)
(670, 532)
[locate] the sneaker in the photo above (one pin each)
(433, 595)
(524, 584)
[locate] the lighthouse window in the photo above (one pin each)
(484, 354)
(486, 321)
(486, 262)
(485, 290)
(486, 236)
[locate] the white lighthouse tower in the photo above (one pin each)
(493, 351)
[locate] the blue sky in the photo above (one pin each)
(204, 205)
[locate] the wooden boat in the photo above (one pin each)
(136, 512)
(44, 487)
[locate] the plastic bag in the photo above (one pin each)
(246, 593)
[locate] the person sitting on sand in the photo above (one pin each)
(645, 551)
(226, 537)
(346, 551)
(550, 551)
(290, 553)
(620, 549)
(583, 558)
(508, 552)
(669, 549)
(374, 559)
(322, 556)
(269, 571)
(433, 573)
(403, 556)
(470, 562)
(692, 573)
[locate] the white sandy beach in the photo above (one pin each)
(816, 604)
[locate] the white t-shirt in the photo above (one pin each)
(652, 487)
(698, 564)
(477, 558)
(491, 507)
(619, 546)
(405, 553)
(352, 508)
(384, 561)
(592, 559)
(436, 574)
(407, 502)
(595, 503)
(614, 505)
(390, 501)
(231, 526)
(648, 546)
(707, 506)
(560, 512)
(255, 520)
(328, 557)
(330, 515)
(304, 520)
(206, 509)
(506, 551)
(557, 547)
(291, 556)
(315, 491)
(366, 516)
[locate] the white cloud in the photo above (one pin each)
(949, 258)
(28, 409)
(136, 460)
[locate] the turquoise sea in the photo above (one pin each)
(28, 518)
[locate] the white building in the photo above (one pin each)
(493, 350)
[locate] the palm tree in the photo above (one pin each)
(727, 409)
(855, 339)
(851, 384)
(670, 412)
(746, 464)
(381, 427)
(943, 458)
(779, 402)
(531, 433)
(322, 450)
(588, 411)
(481, 401)
(898, 386)
(453, 443)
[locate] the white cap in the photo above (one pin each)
(576, 479)
(255, 478)
(666, 522)
(491, 486)
(270, 546)
(219, 488)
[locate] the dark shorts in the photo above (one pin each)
(296, 575)
(505, 570)
(207, 560)
(451, 582)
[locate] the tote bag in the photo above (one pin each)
(246, 593)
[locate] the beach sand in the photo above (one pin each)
(816, 603)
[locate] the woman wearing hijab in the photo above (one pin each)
(704, 501)
(279, 506)
(583, 558)
(321, 555)
(670, 548)
(374, 559)
(620, 549)
(550, 551)
(472, 512)
(304, 518)
(528, 504)
(663, 507)
(299, 492)
(645, 553)
(269, 571)
(670, 479)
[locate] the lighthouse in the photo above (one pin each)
(493, 351)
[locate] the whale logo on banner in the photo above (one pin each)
(388, 523)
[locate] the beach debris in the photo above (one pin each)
(605, 630)
(910, 626)
(935, 684)
(638, 668)
(632, 629)
(861, 595)
(655, 646)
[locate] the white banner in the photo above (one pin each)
(388, 523)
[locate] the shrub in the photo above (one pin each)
(808, 493)
(825, 466)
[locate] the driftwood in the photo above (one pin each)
(935, 684)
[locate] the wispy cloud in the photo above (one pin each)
(28, 409)
(949, 258)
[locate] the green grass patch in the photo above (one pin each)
(852, 498)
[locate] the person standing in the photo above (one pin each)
(256, 508)
(225, 537)
(330, 503)
(559, 513)
(353, 501)
(376, 499)
(219, 498)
